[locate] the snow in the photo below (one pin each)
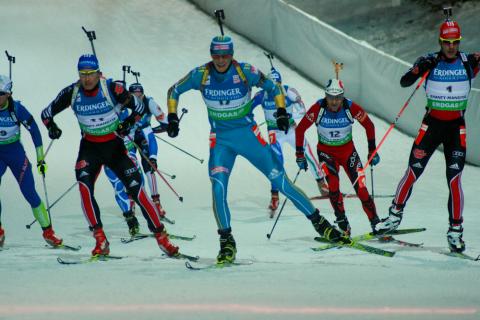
(287, 280)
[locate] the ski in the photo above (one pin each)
(140, 236)
(460, 255)
(65, 247)
(206, 266)
(383, 239)
(358, 246)
(81, 260)
(390, 239)
(351, 195)
(182, 256)
(369, 236)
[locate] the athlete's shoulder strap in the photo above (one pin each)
(346, 105)
(321, 112)
(13, 115)
(467, 66)
(76, 88)
(240, 72)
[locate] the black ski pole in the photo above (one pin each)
(180, 198)
(371, 178)
(180, 149)
(91, 36)
(54, 203)
(220, 14)
(270, 57)
(11, 59)
(283, 205)
(171, 176)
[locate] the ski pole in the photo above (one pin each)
(11, 59)
(91, 36)
(54, 203)
(180, 149)
(156, 169)
(171, 176)
(371, 179)
(46, 196)
(48, 149)
(184, 111)
(394, 122)
(283, 205)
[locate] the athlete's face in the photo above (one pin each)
(222, 61)
(138, 94)
(89, 78)
(3, 99)
(334, 102)
(450, 48)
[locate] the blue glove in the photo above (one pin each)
(301, 161)
(375, 159)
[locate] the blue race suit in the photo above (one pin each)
(13, 155)
(234, 131)
(277, 138)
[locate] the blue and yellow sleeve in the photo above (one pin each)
(191, 81)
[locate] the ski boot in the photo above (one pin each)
(326, 230)
(344, 225)
(390, 223)
(165, 244)
(158, 205)
(373, 223)
(51, 238)
(2, 237)
(228, 248)
(274, 201)
(132, 222)
(102, 246)
(323, 187)
(454, 238)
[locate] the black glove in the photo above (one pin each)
(153, 161)
(54, 131)
(124, 128)
(283, 120)
(172, 128)
(427, 63)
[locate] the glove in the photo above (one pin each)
(375, 159)
(172, 128)
(54, 131)
(425, 64)
(301, 161)
(153, 161)
(283, 120)
(124, 128)
(42, 167)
